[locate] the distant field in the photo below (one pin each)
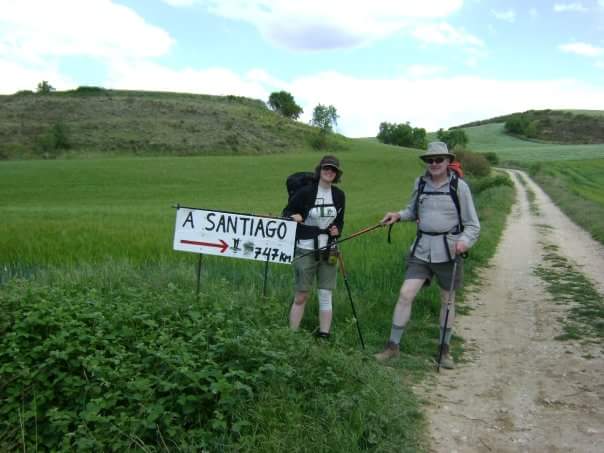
(588, 112)
(104, 343)
(491, 137)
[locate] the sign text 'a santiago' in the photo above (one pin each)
(234, 235)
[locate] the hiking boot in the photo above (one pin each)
(321, 335)
(446, 360)
(391, 351)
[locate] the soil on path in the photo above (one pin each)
(521, 390)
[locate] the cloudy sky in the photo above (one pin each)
(434, 63)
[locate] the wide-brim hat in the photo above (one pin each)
(437, 149)
(331, 161)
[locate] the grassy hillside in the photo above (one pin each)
(570, 174)
(556, 126)
(103, 344)
(108, 122)
(492, 137)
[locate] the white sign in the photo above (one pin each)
(234, 235)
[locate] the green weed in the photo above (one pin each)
(571, 288)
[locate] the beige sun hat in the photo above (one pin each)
(437, 149)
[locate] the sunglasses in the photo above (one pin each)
(436, 160)
(329, 167)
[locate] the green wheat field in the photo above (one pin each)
(105, 343)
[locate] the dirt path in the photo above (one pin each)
(521, 390)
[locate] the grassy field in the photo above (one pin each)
(570, 174)
(104, 344)
(491, 137)
(577, 187)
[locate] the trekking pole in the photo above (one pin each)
(449, 299)
(354, 312)
(336, 243)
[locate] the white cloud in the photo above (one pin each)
(179, 3)
(320, 24)
(417, 71)
(507, 16)
(575, 7)
(444, 33)
(435, 103)
(431, 101)
(17, 77)
(145, 75)
(583, 49)
(31, 31)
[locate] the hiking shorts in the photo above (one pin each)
(421, 269)
(307, 268)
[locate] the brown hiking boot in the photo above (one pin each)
(391, 351)
(446, 360)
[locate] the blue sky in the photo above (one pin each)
(434, 63)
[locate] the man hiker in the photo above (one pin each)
(447, 226)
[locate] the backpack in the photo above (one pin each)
(456, 167)
(296, 181)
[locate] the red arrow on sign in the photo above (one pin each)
(222, 246)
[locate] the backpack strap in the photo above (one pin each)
(420, 190)
(453, 184)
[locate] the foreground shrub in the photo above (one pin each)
(480, 184)
(474, 164)
(129, 366)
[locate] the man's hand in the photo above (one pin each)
(390, 218)
(297, 218)
(333, 231)
(461, 247)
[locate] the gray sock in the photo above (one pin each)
(447, 335)
(396, 332)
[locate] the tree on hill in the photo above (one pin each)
(283, 102)
(44, 87)
(325, 118)
(453, 138)
(521, 124)
(402, 135)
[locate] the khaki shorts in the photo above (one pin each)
(307, 268)
(421, 269)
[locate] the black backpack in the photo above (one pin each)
(296, 181)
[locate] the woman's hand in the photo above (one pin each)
(297, 218)
(390, 218)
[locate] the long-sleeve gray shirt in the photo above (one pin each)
(437, 214)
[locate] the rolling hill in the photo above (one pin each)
(107, 122)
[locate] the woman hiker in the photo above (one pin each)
(447, 226)
(319, 209)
